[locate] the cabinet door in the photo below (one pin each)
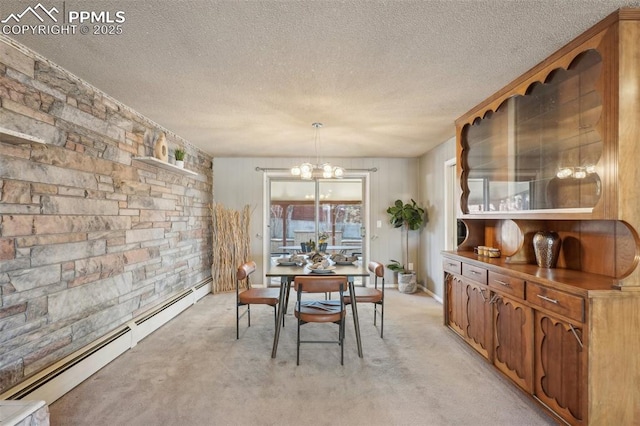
(513, 341)
(479, 320)
(560, 367)
(456, 303)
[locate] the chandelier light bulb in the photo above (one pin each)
(306, 168)
(326, 167)
(295, 171)
(338, 172)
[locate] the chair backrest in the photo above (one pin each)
(377, 269)
(320, 283)
(244, 271)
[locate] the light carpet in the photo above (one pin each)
(194, 371)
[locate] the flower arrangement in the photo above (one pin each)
(323, 237)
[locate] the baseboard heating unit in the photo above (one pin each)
(59, 378)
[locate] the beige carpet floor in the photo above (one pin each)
(193, 371)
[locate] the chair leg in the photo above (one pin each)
(341, 339)
(382, 319)
(237, 322)
(298, 345)
(248, 315)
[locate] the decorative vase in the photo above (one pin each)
(407, 282)
(322, 247)
(180, 163)
(160, 150)
(546, 245)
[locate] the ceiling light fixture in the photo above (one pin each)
(308, 170)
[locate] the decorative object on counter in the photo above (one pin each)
(179, 154)
(493, 252)
(546, 245)
(160, 150)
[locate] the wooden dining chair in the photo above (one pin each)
(373, 295)
(252, 296)
(321, 310)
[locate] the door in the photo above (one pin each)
(318, 211)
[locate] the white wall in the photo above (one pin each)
(432, 237)
(237, 183)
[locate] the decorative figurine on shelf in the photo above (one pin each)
(160, 150)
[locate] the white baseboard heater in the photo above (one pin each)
(59, 378)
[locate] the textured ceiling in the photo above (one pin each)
(387, 78)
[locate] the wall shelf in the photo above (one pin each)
(158, 163)
(17, 138)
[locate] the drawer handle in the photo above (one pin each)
(452, 264)
(547, 299)
(575, 334)
(475, 272)
(503, 283)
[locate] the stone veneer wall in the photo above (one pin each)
(89, 237)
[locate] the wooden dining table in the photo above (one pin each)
(288, 273)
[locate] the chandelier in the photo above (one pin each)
(308, 170)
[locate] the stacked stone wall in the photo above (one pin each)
(89, 236)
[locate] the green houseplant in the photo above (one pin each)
(410, 217)
(179, 154)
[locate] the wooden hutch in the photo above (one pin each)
(557, 149)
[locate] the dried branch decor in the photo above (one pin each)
(231, 245)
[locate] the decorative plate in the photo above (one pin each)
(328, 270)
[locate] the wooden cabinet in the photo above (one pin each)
(456, 303)
(560, 367)
(557, 149)
(557, 140)
(478, 310)
(568, 339)
(513, 340)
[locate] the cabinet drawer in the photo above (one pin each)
(475, 273)
(566, 304)
(453, 266)
(507, 284)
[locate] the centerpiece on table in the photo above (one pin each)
(322, 241)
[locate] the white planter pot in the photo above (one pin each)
(407, 283)
(180, 163)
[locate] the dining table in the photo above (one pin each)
(340, 248)
(287, 273)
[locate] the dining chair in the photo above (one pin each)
(252, 296)
(321, 310)
(373, 295)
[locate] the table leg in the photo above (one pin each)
(281, 310)
(356, 322)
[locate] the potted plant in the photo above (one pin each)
(410, 217)
(179, 154)
(322, 241)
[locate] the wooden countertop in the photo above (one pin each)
(578, 282)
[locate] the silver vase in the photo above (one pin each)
(546, 245)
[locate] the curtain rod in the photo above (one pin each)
(283, 169)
